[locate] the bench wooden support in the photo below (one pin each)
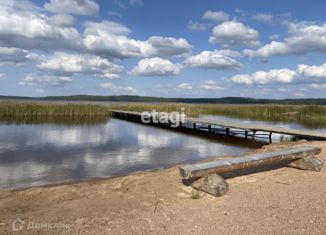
(300, 157)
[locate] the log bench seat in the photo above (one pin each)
(204, 176)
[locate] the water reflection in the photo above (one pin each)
(42, 154)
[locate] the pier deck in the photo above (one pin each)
(230, 128)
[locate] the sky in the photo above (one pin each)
(163, 48)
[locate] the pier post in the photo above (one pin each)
(227, 131)
(270, 137)
(209, 128)
(246, 134)
(194, 126)
(253, 134)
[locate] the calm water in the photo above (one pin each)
(41, 154)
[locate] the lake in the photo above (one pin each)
(40, 154)
(35, 153)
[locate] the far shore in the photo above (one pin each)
(272, 201)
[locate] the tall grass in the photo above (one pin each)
(15, 112)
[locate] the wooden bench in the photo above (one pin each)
(204, 175)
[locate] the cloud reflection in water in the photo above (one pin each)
(42, 154)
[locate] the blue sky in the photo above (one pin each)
(183, 48)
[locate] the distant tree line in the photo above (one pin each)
(127, 98)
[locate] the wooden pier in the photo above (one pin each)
(225, 128)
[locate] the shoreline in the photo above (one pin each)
(156, 202)
(89, 180)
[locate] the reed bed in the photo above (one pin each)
(48, 109)
(29, 113)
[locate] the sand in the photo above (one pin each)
(276, 201)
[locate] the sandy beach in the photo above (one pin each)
(275, 200)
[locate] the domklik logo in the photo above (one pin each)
(18, 225)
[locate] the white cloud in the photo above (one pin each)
(114, 13)
(265, 17)
(185, 86)
(136, 2)
(70, 64)
(299, 94)
(156, 67)
(25, 5)
(302, 38)
(168, 46)
(196, 26)
(118, 89)
(78, 7)
(114, 46)
(63, 20)
(318, 86)
(243, 79)
(229, 53)
(33, 30)
(262, 77)
(217, 59)
(105, 28)
(303, 74)
(13, 56)
(274, 48)
(210, 85)
(232, 34)
(318, 72)
(215, 16)
(3, 76)
(40, 81)
(111, 39)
